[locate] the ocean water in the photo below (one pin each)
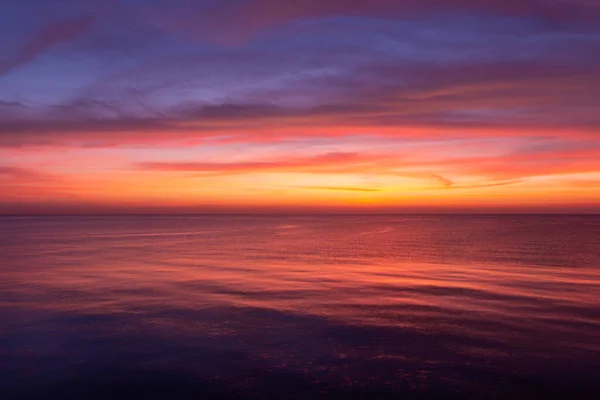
(299, 307)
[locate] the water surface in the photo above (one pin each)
(299, 306)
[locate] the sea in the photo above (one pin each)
(300, 307)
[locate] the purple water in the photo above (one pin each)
(299, 307)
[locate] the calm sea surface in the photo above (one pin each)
(299, 307)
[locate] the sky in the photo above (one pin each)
(268, 106)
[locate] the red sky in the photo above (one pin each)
(331, 106)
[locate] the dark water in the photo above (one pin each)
(300, 307)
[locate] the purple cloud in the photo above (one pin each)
(50, 35)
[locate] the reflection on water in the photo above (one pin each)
(294, 307)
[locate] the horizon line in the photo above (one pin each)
(302, 214)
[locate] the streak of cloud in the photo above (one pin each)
(52, 34)
(338, 188)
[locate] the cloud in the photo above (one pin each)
(50, 35)
(434, 75)
(338, 188)
(21, 174)
(445, 182)
(22, 182)
(320, 161)
(433, 95)
(484, 170)
(448, 184)
(505, 97)
(487, 184)
(240, 24)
